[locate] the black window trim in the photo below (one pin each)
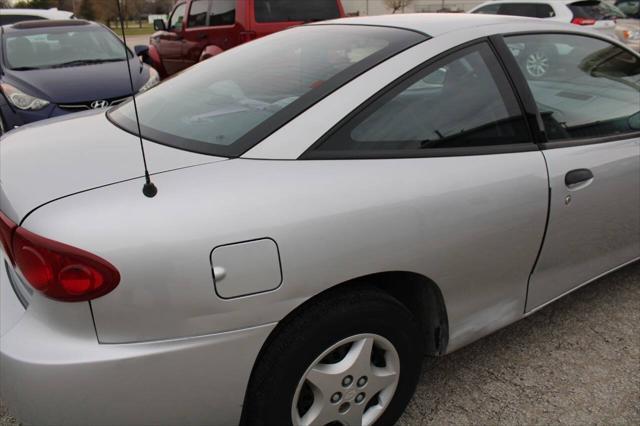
(523, 87)
(312, 154)
(265, 129)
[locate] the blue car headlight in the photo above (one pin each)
(21, 100)
(154, 79)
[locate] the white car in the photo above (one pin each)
(12, 16)
(599, 15)
(595, 14)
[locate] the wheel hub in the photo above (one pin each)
(351, 383)
(537, 64)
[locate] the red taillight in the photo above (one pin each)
(60, 271)
(6, 230)
(583, 21)
(246, 36)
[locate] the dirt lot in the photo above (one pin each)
(576, 362)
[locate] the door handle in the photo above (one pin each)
(577, 176)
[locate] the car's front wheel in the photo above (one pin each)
(352, 358)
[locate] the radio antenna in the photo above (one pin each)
(149, 189)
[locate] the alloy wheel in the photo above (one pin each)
(351, 383)
(537, 64)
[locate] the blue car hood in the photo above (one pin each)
(80, 83)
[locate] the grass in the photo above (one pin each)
(134, 29)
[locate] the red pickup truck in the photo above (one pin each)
(200, 29)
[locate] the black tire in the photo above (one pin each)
(301, 340)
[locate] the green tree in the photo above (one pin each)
(87, 11)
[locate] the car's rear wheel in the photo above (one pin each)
(352, 358)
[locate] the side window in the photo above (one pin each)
(199, 14)
(462, 101)
(177, 18)
(519, 9)
(295, 10)
(584, 87)
(491, 9)
(544, 10)
(223, 12)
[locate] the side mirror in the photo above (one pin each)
(141, 50)
(159, 25)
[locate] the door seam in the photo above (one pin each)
(544, 233)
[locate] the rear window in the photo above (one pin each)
(595, 10)
(227, 104)
(296, 10)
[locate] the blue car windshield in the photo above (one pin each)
(43, 48)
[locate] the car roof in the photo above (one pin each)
(435, 24)
(42, 13)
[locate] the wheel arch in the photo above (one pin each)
(422, 296)
(209, 52)
(418, 293)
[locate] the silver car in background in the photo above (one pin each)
(334, 202)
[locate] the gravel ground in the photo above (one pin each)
(576, 362)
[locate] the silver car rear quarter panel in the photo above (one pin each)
(471, 224)
(44, 161)
(55, 372)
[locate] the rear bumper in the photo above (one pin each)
(54, 372)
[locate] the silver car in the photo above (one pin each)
(334, 202)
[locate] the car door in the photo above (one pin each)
(197, 31)
(209, 23)
(451, 158)
(170, 42)
(588, 96)
(224, 29)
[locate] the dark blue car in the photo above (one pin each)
(51, 68)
